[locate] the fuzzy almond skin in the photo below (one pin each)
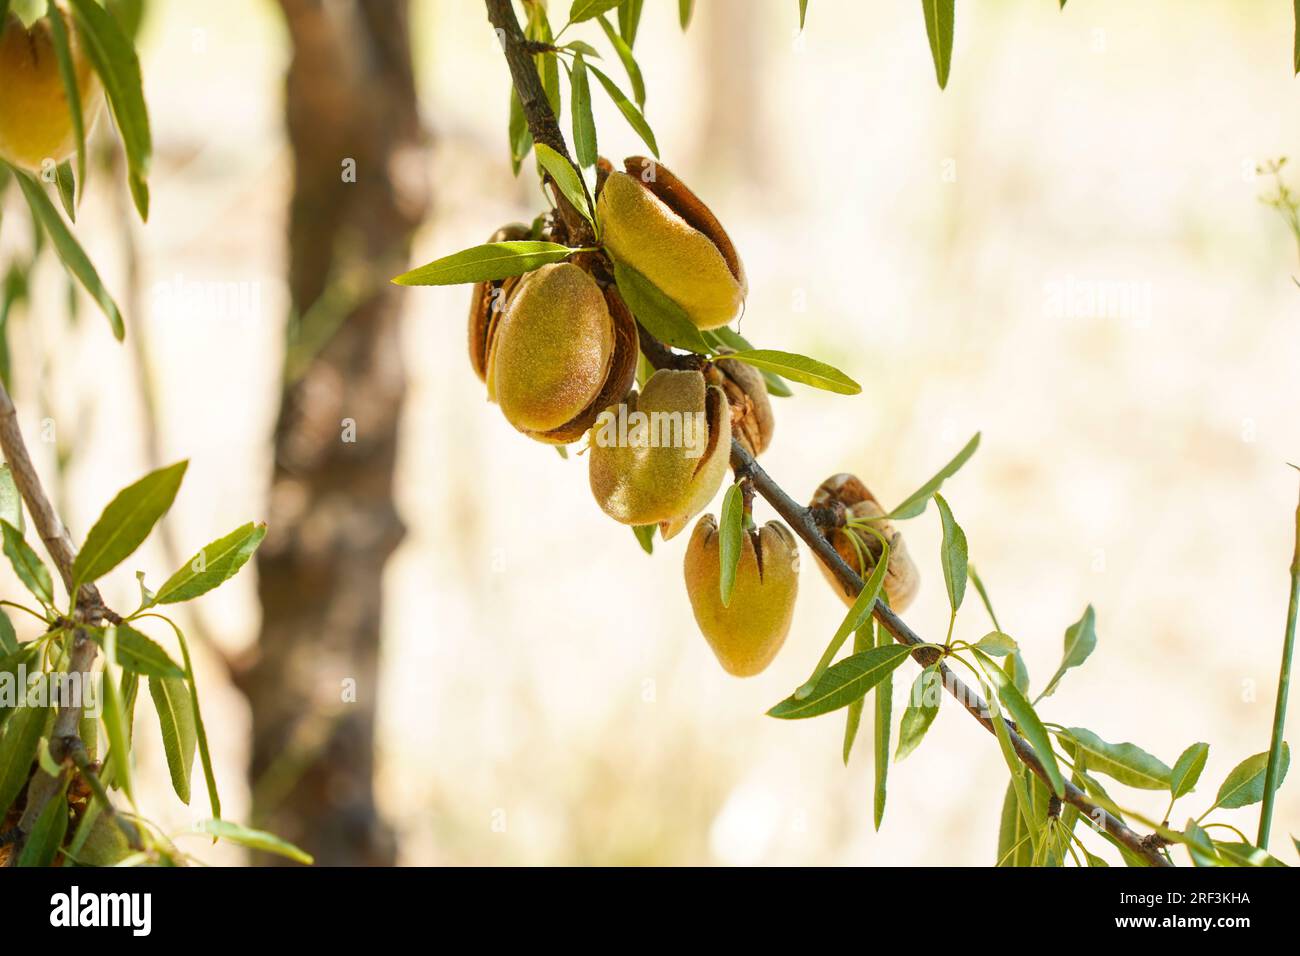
(641, 231)
(662, 484)
(551, 353)
(35, 121)
(747, 635)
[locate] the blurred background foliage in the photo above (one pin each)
(540, 693)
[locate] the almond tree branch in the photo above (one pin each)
(545, 129)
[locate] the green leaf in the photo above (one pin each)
(952, 555)
(1244, 854)
(843, 683)
(1019, 772)
(803, 13)
(884, 717)
(1245, 784)
(253, 839)
(1199, 845)
(858, 614)
(205, 753)
(1127, 763)
(587, 9)
(938, 29)
(126, 522)
(1014, 845)
(114, 716)
(584, 124)
(629, 18)
(997, 644)
(922, 709)
(65, 185)
(645, 534)
(171, 699)
(568, 179)
(684, 10)
(8, 638)
(863, 640)
(65, 244)
(11, 502)
(915, 503)
(628, 109)
(215, 564)
(137, 652)
(624, 51)
(662, 317)
(487, 263)
(72, 92)
(47, 835)
(1187, 770)
(586, 49)
(1080, 641)
(730, 540)
(799, 368)
(22, 734)
(1026, 718)
(521, 139)
(114, 59)
(29, 568)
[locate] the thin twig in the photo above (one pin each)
(545, 129)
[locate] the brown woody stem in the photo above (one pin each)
(545, 129)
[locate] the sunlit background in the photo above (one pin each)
(545, 697)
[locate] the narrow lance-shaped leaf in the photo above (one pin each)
(800, 368)
(858, 614)
(843, 683)
(952, 555)
(803, 13)
(624, 51)
(114, 59)
(65, 183)
(997, 644)
(863, 640)
(8, 638)
(884, 719)
(521, 140)
(1187, 770)
(114, 716)
(1245, 784)
(915, 503)
(733, 340)
(1026, 718)
(628, 109)
(584, 124)
(68, 76)
(29, 568)
(215, 564)
(70, 252)
(1014, 846)
(47, 835)
(939, 16)
(22, 734)
(1080, 641)
(629, 18)
(645, 535)
(730, 540)
(587, 9)
(487, 263)
(171, 701)
(922, 708)
(684, 10)
(254, 839)
(662, 317)
(566, 178)
(126, 522)
(137, 652)
(1127, 763)
(1019, 772)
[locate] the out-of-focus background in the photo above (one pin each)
(1064, 250)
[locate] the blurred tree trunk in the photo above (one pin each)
(359, 192)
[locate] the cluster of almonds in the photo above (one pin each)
(35, 119)
(557, 347)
